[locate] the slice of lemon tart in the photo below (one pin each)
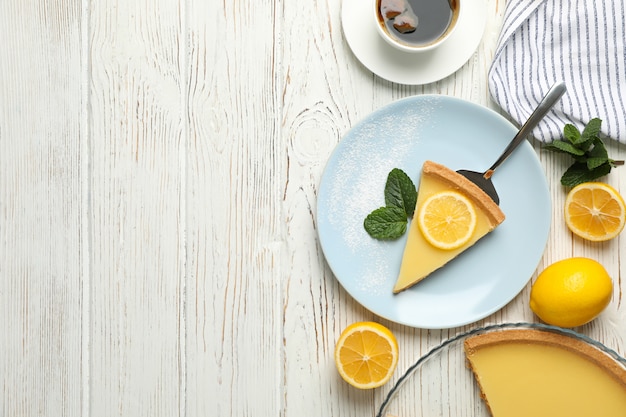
(529, 372)
(451, 214)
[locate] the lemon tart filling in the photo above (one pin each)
(528, 372)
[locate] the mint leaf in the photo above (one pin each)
(564, 147)
(598, 155)
(386, 223)
(578, 173)
(400, 191)
(571, 133)
(593, 163)
(591, 130)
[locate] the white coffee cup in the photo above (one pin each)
(416, 25)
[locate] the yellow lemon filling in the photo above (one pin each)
(524, 373)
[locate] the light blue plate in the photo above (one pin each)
(460, 135)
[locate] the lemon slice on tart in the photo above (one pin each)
(452, 214)
(447, 219)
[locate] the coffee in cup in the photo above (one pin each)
(416, 25)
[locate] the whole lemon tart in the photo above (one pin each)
(530, 372)
(421, 256)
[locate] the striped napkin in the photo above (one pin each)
(580, 42)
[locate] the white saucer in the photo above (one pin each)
(406, 68)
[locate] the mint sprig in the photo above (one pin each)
(390, 222)
(591, 159)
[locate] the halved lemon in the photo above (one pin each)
(447, 219)
(595, 211)
(366, 354)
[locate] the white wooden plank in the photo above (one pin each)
(136, 183)
(40, 195)
(235, 183)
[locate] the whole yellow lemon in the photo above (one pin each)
(571, 292)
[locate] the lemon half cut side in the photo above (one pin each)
(366, 355)
(595, 211)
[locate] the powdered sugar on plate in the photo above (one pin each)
(360, 172)
(362, 169)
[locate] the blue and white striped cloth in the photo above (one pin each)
(580, 42)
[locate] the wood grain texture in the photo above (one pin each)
(40, 194)
(235, 227)
(137, 228)
(159, 169)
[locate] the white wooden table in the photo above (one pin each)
(159, 163)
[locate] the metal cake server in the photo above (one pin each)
(483, 179)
